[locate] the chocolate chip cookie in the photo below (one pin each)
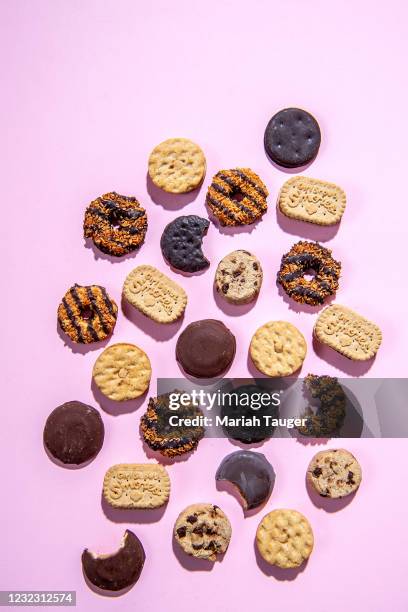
(203, 531)
(334, 473)
(238, 278)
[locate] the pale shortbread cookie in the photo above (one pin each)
(155, 294)
(136, 485)
(334, 473)
(278, 348)
(348, 333)
(285, 538)
(177, 165)
(122, 372)
(203, 531)
(238, 277)
(312, 200)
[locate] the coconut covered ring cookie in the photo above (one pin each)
(177, 165)
(334, 473)
(116, 224)
(237, 197)
(304, 257)
(203, 531)
(87, 314)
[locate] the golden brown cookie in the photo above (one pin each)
(155, 294)
(278, 348)
(136, 485)
(348, 333)
(122, 372)
(177, 165)
(203, 531)
(285, 538)
(311, 200)
(238, 277)
(334, 473)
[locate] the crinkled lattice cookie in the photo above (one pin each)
(239, 277)
(155, 294)
(334, 473)
(312, 200)
(177, 165)
(203, 530)
(136, 485)
(122, 372)
(348, 333)
(285, 538)
(278, 348)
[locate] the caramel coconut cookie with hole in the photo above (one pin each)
(203, 531)
(334, 473)
(122, 372)
(237, 197)
(238, 277)
(305, 257)
(87, 314)
(116, 224)
(177, 165)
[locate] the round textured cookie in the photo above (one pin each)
(292, 138)
(237, 197)
(334, 473)
(285, 538)
(116, 224)
(74, 433)
(278, 348)
(205, 348)
(203, 531)
(239, 277)
(177, 165)
(87, 314)
(181, 243)
(122, 372)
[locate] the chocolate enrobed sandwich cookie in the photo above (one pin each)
(239, 410)
(205, 348)
(74, 433)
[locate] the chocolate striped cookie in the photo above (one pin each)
(87, 314)
(237, 197)
(116, 224)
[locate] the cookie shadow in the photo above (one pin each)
(277, 572)
(348, 366)
(232, 310)
(310, 231)
(192, 564)
(297, 170)
(124, 515)
(68, 466)
(203, 382)
(231, 230)
(77, 347)
(326, 503)
(306, 308)
(162, 459)
(170, 201)
(159, 331)
(311, 441)
(247, 445)
(226, 486)
(103, 592)
(88, 243)
(116, 408)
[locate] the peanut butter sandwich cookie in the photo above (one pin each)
(177, 165)
(155, 294)
(87, 314)
(203, 531)
(334, 473)
(348, 333)
(122, 372)
(285, 538)
(278, 348)
(311, 200)
(237, 197)
(238, 278)
(136, 485)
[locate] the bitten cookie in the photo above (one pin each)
(237, 197)
(311, 200)
(136, 485)
(87, 314)
(122, 372)
(292, 138)
(334, 473)
(181, 243)
(348, 333)
(285, 538)
(116, 224)
(155, 294)
(238, 278)
(203, 531)
(278, 348)
(177, 165)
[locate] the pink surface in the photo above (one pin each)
(90, 87)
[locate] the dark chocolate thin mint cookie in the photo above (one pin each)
(292, 138)
(181, 243)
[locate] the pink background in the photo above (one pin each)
(90, 88)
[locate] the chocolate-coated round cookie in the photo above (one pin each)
(292, 138)
(240, 411)
(74, 433)
(181, 243)
(205, 348)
